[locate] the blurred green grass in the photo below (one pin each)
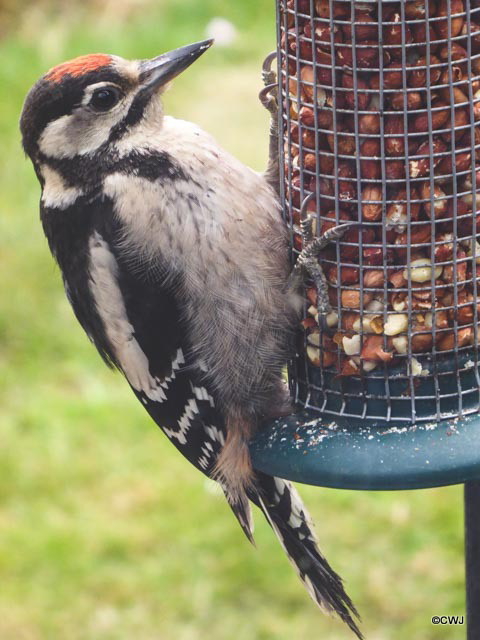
(105, 532)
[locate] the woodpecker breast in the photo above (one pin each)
(217, 224)
(210, 206)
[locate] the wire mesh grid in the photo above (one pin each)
(379, 105)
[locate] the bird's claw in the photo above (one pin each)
(268, 74)
(316, 245)
(307, 262)
(268, 98)
(335, 233)
(268, 95)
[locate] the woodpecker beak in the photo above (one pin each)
(158, 71)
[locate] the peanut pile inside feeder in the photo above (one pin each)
(381, 107)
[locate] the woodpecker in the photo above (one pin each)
(174, 259)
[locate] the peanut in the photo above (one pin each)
(351, 298)
(421, 270)
(396, 323)
(371, 203)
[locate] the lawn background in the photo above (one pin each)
(105, 532)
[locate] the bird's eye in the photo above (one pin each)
(104, 98)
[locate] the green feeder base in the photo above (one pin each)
(338, 453)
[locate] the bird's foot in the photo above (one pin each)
(268, 74)
(268, 95)
(307, 265)
(268, 98)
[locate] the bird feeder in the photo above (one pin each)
(379, 125)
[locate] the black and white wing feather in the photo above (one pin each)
(143, 324)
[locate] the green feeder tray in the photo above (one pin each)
(354, 452)
(354, 455)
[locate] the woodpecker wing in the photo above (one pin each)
(143, 324)
(133, 317)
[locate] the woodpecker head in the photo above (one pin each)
(81, 106)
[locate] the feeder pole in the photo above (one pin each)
(472, 558)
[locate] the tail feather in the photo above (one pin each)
(285, 512)
(233, 467)
(242, 510)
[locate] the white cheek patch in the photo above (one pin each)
(55, 194)
(64, 138)
(80, 132)
(111, 309)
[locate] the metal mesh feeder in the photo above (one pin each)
(379, 125)
(379, 104)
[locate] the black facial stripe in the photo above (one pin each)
(152, 166)
(134, 115)
(82, 171)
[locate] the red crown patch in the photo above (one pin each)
(79, 66)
